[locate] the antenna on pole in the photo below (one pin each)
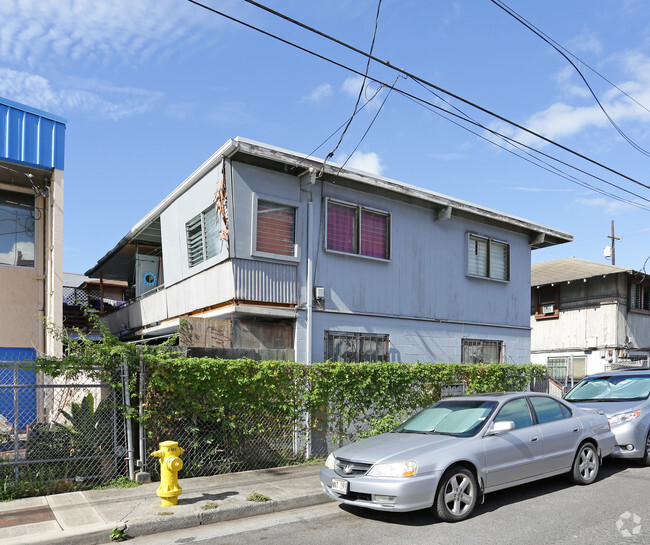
(614, 238)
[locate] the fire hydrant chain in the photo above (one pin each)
(170, 465)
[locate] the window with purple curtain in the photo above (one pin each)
(341, 228)
(374, 234)
(356, 230)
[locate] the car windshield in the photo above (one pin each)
(612, 388)
(461, 418)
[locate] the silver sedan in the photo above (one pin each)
(449, 455)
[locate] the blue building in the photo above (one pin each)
(32, 146)
(267, 249)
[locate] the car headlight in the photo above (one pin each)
(394, 469)
(331, 460)
(623, 418)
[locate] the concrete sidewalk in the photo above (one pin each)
(88, 518)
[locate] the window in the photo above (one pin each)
(203, 240)
(276, 229)
(516, 411)
(548, 410)
(547, 302)
(356, 347)
(354, 229)
(488, 258)
(480, 351)
(17, 213)
(640, 297)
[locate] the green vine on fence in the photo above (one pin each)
(343, 399)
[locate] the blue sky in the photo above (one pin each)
(151, 89)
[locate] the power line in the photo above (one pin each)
(429, 104)
(427, 83)
(541, 163)
(361, 89)
(533, 29)
(372, 122)
(581, 61)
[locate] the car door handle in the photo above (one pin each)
(533, 439)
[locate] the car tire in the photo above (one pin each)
(585, 465)
(456, 496)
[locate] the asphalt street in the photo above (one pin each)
(615, 509)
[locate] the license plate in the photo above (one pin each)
(340, 485)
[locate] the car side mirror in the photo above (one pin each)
(501, 427)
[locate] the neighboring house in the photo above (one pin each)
(267, 249)
(31, 243)
(31, 226)
(588, 317)
(83, 295)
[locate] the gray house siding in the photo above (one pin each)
(418, 340)
(420, 294)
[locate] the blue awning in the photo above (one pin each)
(31, 137)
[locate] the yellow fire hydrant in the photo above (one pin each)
(170, 465)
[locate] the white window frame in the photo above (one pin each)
(204, 246)
(33, 214)
(282, 202)
(360, 208)
(490, 242)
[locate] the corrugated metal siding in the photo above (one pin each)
(264, 281)
(31, 137)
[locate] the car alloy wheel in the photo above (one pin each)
(646, 454)
(456, 496)
(585, 465)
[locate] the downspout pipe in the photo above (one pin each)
(310, 303)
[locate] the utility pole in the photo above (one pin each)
(614, 239)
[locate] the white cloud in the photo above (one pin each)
(586, 43)
(543, 189)
(87, 96)
(562, 120)
(352, 85)
(324, 90)
(121, 31)
(446, 156)
(609, 206)
(368, 162)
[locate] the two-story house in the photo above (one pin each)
(31, 229)
(267, 249)
(588, 317)
(31, 243)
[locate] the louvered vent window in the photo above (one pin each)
(203, 240)
(640, 297)
(488, 258)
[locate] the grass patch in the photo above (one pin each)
(256, 496)
(209, 505)
(119, 482)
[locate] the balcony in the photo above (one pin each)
(231, 282)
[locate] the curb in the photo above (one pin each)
(153, 525)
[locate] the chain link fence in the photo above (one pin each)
(52, 431)
(226, 442)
